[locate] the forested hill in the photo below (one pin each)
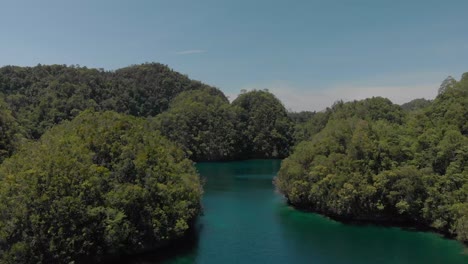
(373, 160)
(255, 125)
(94, 162)
(9, 131)
(197, 116)
(45, 95)
(103, 183)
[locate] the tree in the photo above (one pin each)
(446, 84)
(372, 161)
(416, 104)
(102, 183)
(10, 134)
(203, 123)
(267, 129)
(46, 95)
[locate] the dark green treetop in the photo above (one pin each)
(102, 183)
(267, 129)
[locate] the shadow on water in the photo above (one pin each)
(185, 246)
(320, 238)
(246, 221)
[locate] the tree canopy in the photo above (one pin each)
(9, 131)
(267, 130)
(374, 161)
(255, 125)
(102, 183)
(416, 104)
(105, 169)
(46, 95)
(203, 123)
(201, 120)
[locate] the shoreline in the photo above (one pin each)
(159, 253)
(404, 225)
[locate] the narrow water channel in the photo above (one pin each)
(245, 221)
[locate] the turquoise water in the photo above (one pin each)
(245, 221)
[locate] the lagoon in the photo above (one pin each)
(246, 221)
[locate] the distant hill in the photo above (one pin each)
(415, 104)
(198, 117)
(45, 95)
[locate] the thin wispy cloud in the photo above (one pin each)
(188, 52)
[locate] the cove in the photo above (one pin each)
(246, 221)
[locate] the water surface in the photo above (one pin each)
(245, 221)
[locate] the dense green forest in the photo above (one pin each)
(415, 104)
(209, 128)
(196, 116)
(204, 123)
(88, 169)
(102, 183)
(43, 96)
(10, 135)
(267, 130)
(96, 162)
(376, 161)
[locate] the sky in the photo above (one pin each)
(309, 53)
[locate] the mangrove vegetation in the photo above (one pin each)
(96, 163)
(376, 161)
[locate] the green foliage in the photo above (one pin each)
(372, 109)
(416, 104)
(9, 131)
(102, 183)
(301, 117)
(267, 131)
(201, 120)
(203, 123)
(209, 128)
(308, 123)
(374, 161)
(43, 96)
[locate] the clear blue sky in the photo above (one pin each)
(309, 53)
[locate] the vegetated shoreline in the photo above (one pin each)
(189, 240)
(170, 248)
(207, 127)
(374, 162)
(411, 226)
(239, 159)
(158, 253)
(198, 119)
